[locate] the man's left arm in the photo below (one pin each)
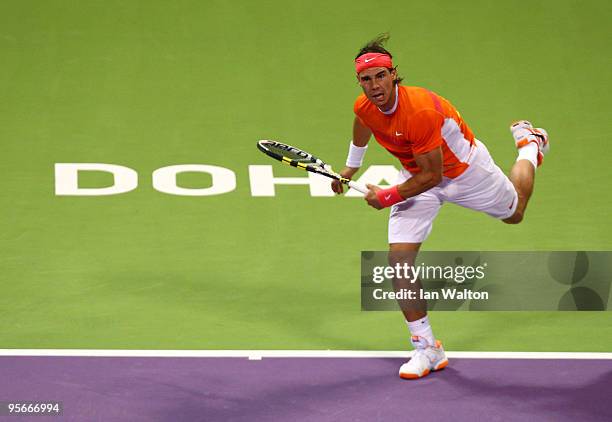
(430, 164)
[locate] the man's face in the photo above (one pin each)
(377, 84)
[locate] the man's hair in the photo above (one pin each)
(376, 46)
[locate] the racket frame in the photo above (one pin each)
(308, 163)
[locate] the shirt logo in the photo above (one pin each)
(398, 133)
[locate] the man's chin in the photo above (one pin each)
(379, 101)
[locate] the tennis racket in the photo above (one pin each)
(300, 159)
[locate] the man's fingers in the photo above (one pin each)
(337, 187)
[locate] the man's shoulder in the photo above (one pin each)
(421, 102)
(361, 103)
(419, 96)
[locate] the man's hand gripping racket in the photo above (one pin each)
(300, 159)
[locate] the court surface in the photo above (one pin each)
(363, 387)
(311, 389)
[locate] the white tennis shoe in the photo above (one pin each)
(524, 133)
(426, 358)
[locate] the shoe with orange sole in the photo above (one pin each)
(426, 358)
(524, 133)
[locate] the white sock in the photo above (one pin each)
(421, 328)
(530, 153)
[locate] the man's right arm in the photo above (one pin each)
(361, 136)
(361, 133)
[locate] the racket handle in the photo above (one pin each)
(358, 187)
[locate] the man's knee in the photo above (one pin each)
(516, 218)
(403, 253)
(406, 247)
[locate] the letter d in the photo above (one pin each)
(67, 179)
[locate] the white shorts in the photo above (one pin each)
(482, 187)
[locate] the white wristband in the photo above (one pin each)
(355, 155)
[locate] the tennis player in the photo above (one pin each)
(442, 161)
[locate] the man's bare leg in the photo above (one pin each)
(415, 310)
(522, 177)
(429, 354)
(400, 253)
